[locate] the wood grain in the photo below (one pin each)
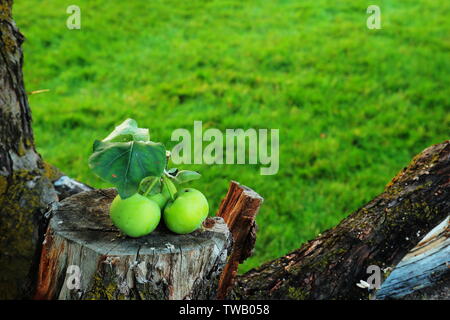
(239, 209)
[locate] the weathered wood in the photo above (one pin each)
(425, 265)
(161, 265)
(381, 233)
(238, 209)
(440, 290)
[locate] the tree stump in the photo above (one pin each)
(84, 256)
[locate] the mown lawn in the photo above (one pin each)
(352, 105)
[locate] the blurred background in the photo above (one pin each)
(353, 105)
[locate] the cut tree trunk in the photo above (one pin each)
(85, 257)
(381, 233)
(25, 186)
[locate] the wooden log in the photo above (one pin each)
(238, 209)
(381, 233)
(85, 257)
(427, 265)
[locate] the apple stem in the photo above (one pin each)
(168, 154)
(150, 187)
(172, 195)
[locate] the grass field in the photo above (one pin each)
(353, 105)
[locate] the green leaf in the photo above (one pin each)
(184, 176)
(125, 164)
(126, 131)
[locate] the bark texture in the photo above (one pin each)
(380, 233)
(82, 240)
(238, 209)
(25, 186)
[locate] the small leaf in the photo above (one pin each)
(127, 131)
(184, 176)
(125, 164)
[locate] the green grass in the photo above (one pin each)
(353, 105)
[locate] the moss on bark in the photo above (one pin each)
(23, 201)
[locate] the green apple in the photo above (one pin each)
(135, 216)
(159, 198)
(162, 198)
(187, 212)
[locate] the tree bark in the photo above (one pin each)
(25, 181)
(380, 233)
(81, 239)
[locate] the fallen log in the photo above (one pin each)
(379, 234)
(85, 257)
